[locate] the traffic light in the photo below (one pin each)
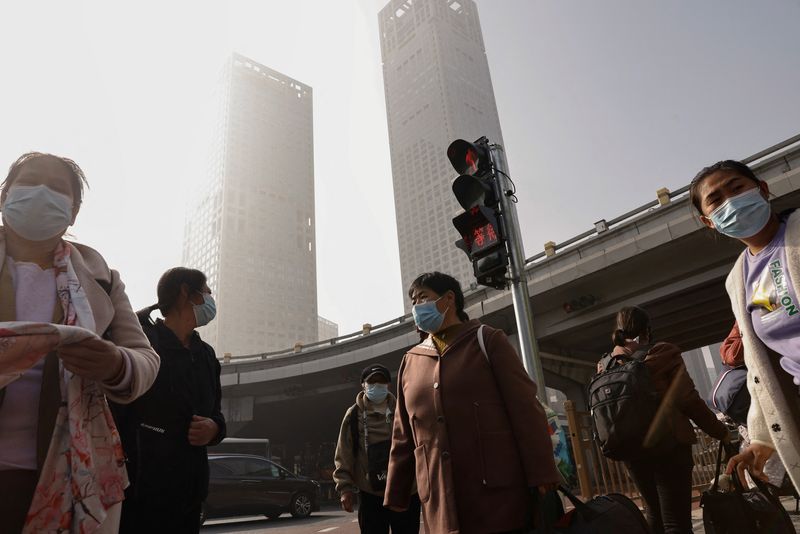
(481, 223)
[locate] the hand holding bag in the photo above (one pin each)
(741, 511)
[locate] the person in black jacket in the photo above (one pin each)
(165, 432)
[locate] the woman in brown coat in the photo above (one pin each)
(467, 422)
(665, 480)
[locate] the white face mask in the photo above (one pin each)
(36, 212)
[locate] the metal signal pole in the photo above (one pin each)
(523, 311)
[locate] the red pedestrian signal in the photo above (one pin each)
(470, 158)
(481, 224)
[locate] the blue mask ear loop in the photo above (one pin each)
(445, 310)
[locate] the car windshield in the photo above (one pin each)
(244, 467)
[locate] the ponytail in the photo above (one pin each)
(618, 337)
(632, 322)
(144, 315)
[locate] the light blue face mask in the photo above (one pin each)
(36, 212)
(204, 313)
(742, 216)
(376, 393)
(427, 316)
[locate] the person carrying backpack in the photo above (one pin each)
(663, 469)
(362, 457)
(165, 432)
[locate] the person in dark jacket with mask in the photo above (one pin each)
(166, 431)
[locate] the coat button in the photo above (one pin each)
(756, 380)
(436, 385)
(445, 454)
(776, 427)
(440, 419)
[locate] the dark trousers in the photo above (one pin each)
(156, 516)
(665, 483)
(373, 518)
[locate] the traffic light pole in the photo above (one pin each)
(519, 282)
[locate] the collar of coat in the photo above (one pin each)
(428, 348)
(92, 271)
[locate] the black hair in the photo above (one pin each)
(170, 284)
(726, 165)
(440, 284)
(632, 322)
(78, 179)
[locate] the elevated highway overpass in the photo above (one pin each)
(658, 256)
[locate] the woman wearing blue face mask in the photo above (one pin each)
(165, 432)
(467, 421)
(762, 287)
(57, 460)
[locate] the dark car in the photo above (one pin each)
(243, 484)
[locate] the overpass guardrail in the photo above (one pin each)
(756, 161)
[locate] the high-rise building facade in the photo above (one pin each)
(327, 329)
(438, 88)
(252, 229)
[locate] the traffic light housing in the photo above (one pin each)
(481, 224)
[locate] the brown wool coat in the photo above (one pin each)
(473, 432)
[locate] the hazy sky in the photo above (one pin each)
(601, 103)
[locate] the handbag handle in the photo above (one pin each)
(715, 485)
(545, 527)
(735, 477)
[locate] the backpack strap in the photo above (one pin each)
(354, 428)
(606, 360)
(609, 360)
(642, 353)
(482, 343)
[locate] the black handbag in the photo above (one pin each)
(741, 511)
(606, 514)
(378, 464)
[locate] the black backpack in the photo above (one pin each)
(623, 404)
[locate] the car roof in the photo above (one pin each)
(217, 455)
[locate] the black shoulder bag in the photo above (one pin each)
(377, 453)
(741, 511)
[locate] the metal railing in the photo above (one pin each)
(755, 161)
(318, 345)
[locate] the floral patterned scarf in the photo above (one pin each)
(84, 472)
